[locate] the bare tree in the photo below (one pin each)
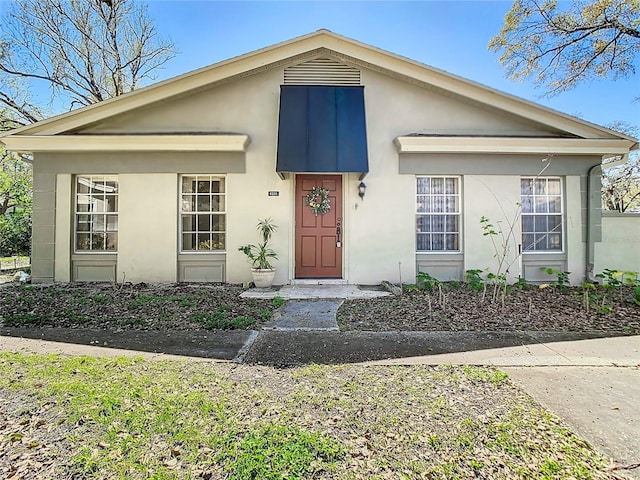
(621, 181)
(560, 44)
(85, 50)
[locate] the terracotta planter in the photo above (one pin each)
(263, 278)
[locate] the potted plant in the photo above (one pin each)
(259, 255)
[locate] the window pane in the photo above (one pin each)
(204, 203)
(218, 223)
(112, 241)
(188, 223)
(188, 241)
(555, 204)
(451, 185)
(438, 204)
(526, 186)
(437, 242)
(188, 184)
(451, 223)
(83, 241)
(553, 186)
(111, 186)
(423, 223)
(554, 223)
(96, 195)
(188, 203)
(112, 223)
(437, 195)
(424, 204)
(98, 223)
(98, 186)
(204, 240)
(203, 194)
(452, 242)
(437, 223)
(541, 205)
(423, 185)
(217, 186)
(527, 241)
(204, 223)
(83, 223)
(218, 203)
(546, 221)
(555, 241)
(97, 241)
(111, 203)
(204, 186)
(82, 185)
(218, 241)
(437, 185)
(452, 204)
(422, 242)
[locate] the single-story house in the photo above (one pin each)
(163, 184)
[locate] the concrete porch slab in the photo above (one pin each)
(314, 292)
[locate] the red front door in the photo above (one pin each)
(318, 237)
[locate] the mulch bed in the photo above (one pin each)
(219, 306)
(458, 308)
(132, 306)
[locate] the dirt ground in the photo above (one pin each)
(219, 306)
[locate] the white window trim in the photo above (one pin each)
(562, 251)
(181, 250)
(76, 213)
(459, 213)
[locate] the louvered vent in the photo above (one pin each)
(321, 71)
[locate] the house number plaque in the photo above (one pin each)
(274, 194)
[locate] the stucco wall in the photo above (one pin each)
(147, 236)
(620, 246)
(379, 231)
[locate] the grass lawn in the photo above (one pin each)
(9, 263)
(122, 418)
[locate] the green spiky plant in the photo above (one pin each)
(260, 254)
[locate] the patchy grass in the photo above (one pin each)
(130, 419)
(140, 306)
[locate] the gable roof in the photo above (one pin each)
(321, 42)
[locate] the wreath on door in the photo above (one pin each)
(318, 200)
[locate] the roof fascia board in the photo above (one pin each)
(297, 46)
(130, 143)
(560, 146)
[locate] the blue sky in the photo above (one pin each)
(450, 35)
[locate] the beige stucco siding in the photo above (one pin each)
(620, 246)
(147, 232)
(495, 197)
(575, 241)
(64, 225)
(379, 231)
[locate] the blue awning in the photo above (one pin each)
(322, 129)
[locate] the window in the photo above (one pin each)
(96, 214)
(202, 217)
(438, 214)
(541, 200)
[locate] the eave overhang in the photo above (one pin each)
(513, 145)
(126, 143)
